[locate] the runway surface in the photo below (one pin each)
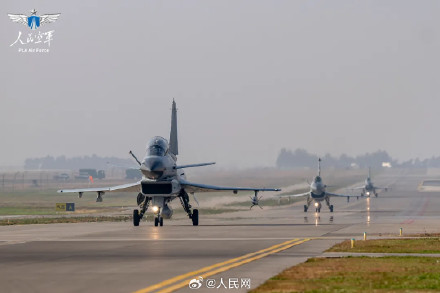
(241, 249)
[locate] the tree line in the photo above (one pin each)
(300, 158)
(75, 163)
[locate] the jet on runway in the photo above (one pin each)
(163, 181)
(317, 193)
(368, 188)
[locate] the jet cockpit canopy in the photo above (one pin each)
(318, 179)
(157, 146)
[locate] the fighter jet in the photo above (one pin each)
(368, 188)
(317, 193)
(163, 181)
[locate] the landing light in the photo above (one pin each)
(368, 193)
(316, 204)
(155, 209)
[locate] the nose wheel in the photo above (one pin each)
(158, 221)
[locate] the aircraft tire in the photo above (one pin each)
(305, 209)
(195, 217)
(331, 209)
(156, 222)
(161, 221)
(136, 218)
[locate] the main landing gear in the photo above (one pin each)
(98, 198)
(309, 202)
(327, 201)
(184, 200)
(143, 203)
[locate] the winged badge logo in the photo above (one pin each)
(34, 21)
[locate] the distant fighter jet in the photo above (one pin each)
(317, 193)
(163, 180)
(368, 188)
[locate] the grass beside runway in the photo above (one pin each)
(66, 217)
(362, 273)
(358, 274)
(417, 245)
(57, 220)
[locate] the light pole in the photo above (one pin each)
(15, 178)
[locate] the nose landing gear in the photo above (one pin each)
(158, 221)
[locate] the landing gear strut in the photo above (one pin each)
(184, 200)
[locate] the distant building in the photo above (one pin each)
(133, 174)
(86, 173)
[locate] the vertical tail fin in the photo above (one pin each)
(369, 172)
(319, 167)
(174, 147)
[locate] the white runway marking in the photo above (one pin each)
(137, 239)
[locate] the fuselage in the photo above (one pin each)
(369, 187)
(317, 189)
(160, 177)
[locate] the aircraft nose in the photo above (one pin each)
(153, 168)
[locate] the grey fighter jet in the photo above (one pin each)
(317, 193)
(368, 188)
(163, 181)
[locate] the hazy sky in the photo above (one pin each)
(249, 78)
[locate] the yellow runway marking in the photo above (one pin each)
(219, 267)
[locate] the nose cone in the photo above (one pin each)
(317, 187)
(153, 167)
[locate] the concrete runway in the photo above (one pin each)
(255, 245)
